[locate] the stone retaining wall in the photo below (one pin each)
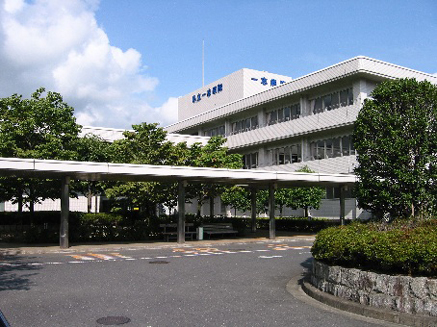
(414, 295)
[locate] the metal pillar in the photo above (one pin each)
(272, 225)
(65, 208)
(342, 204)
(253, 208)
(181, 211)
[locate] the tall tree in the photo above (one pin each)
(95, 149)
(395, 138)
(215, 155)
(40, 128)
(147, 144)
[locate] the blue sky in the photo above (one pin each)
(122, 62)
(285, 37)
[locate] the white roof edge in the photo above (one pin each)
(104, 170)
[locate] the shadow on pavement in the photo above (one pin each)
(15, 273)
(307, 264)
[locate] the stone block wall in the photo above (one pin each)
(413, 295)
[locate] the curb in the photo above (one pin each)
(367, 311)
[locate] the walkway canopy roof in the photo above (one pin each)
(93, 171)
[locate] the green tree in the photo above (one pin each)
(236, 197)
(395, 137)
(262, 201)
(306, 198)
(215, 155)
(146, 144)
(282, 198)
(94, 149)
(39, 128)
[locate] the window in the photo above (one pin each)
(287, 113)
(346, 97)
(254, 122)
(318, 105)
(332, 148)
(327, 101)
(250, 160)
(286, 155)
(336, 143)
(218, 131)
(296, 154)
(283, 114)
(295, 111)
(334, 192)
(333, 101)
(329, 148)
(245, 125)
(273, 117)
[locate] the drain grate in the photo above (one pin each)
(158, 262)
(113, 320)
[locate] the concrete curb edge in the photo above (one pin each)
(367, 311)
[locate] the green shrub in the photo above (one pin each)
(403, 247)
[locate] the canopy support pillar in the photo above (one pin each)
(65, 208)
(253, 208)
(181, 211)
(272, 223)
(343, 189)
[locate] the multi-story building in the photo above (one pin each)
(285, 124)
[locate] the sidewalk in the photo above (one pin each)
(259, 236)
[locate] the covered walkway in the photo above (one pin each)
(92, 171)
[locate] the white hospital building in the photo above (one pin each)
(280, 123)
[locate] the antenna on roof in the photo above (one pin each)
(203, 63)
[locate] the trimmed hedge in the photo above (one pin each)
(43, 227)
(401, 247)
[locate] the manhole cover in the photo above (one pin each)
(236, 250)
(158, 262)
(113, 320)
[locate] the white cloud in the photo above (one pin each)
(59, 45)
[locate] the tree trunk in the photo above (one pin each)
(20, 203)
(96, 209)
(31, 202)
(307, 213)
(211, 207)
(199, 206)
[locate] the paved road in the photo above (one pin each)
(234, 284)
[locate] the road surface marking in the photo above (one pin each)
(101, 256)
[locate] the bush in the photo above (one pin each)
(402, 247)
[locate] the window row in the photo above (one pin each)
(333, 100)
(250, 160)
(284, 114)
(218, 131)
(334, 193)
(245, 125)
(286, 154)
(332, 148)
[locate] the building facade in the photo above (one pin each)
(307, 121)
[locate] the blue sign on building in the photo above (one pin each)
(216, 89)
(265, 81)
